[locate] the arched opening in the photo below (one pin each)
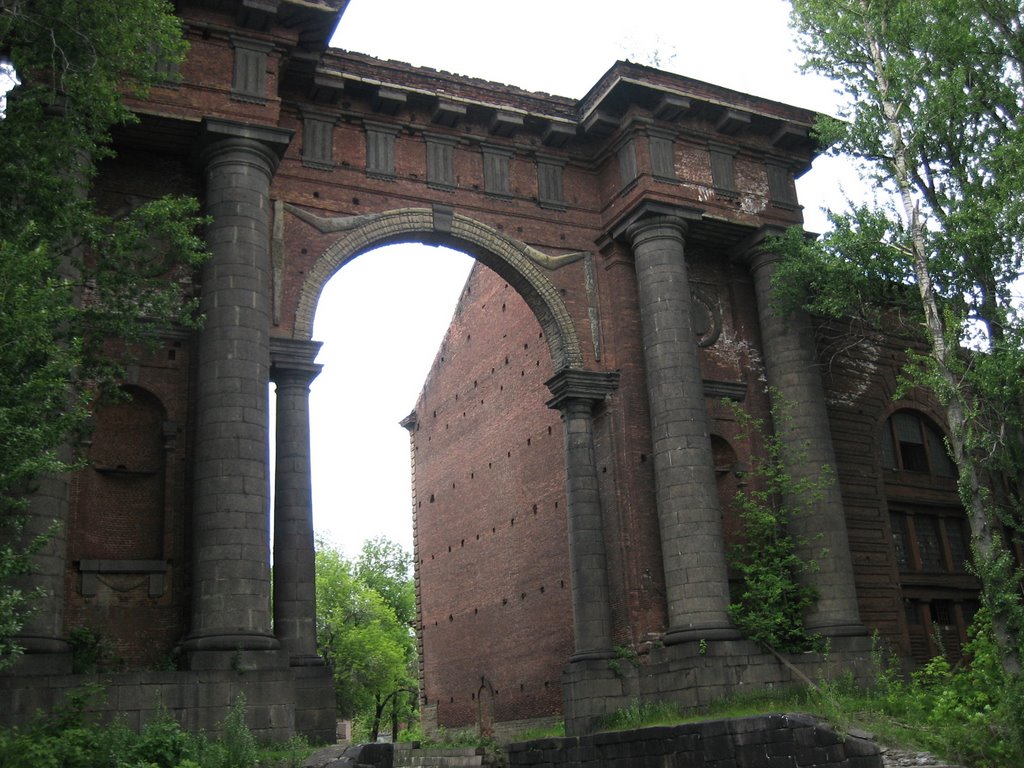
(480, 430)
(381, 319)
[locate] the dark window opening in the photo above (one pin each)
(911, 443)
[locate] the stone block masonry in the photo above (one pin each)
(765, 741)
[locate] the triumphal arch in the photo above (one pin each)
(632, 222)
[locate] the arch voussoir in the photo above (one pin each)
(506, 256)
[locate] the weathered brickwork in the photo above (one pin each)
(573, 458)
(490, 516)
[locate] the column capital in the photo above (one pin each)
(650, 214)
(754, 250)
(293, 360)
(573, 384)
(217, 135)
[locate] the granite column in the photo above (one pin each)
(798, 398)
(692, 544)
(231, 579)
(575, 393)
(292, 370)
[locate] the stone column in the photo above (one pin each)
(231, 578)
(575, 394)
(795, 382)
(692, 544)
(292, 369)
(41, 637)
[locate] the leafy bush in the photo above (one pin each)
(772, 597)
(237, 748)
(66, 739)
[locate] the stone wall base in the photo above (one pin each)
(280, 703)
(695, 674)
(759, 742)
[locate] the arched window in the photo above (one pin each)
(912, 443)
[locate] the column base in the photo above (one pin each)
(591, 655)
(845, 629)
(316, 715)
(238, 651)
(677, 635)
(306, 661)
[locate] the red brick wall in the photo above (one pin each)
(491, 539)
(131, 500)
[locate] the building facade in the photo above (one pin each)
(573, 456)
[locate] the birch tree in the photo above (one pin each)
(933, 94)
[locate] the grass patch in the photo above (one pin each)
(553, 731)
(968, 715)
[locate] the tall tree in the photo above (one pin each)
(385, 567)
(934, 93)
(72, 279)
(370, 647)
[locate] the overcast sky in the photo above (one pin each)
(370, 381)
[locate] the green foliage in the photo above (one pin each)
(163, 743)
(933, 89)
(90, 651)
(622, 653)
(772, 599)
(970, 714)
(461, 738)
(855, 271)
(16, 606)
(238, 745)
(386, 568)
(364, 618)
(72, 278)
(68, 739)
(553, 731)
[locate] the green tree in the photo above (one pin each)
(72, 279)
(934, 93)
(370, 648)
(385, 567)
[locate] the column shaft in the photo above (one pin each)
(294, 561)
(41, 637)
(696, 577)
(795, 382)
(231, 579)
(576, 393)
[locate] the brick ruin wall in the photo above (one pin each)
(491, 540)
(511, 638)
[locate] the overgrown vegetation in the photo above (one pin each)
(67, 738)
(73, 276)
(933, 94)
(773, 594)
(969, 714)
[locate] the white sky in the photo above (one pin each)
(370, 381)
